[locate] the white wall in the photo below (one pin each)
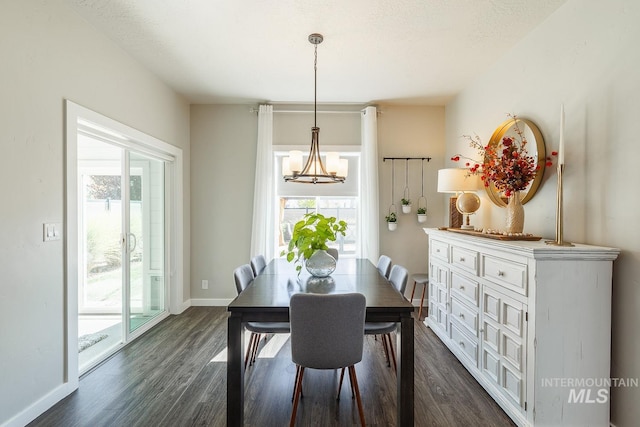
(410, 131)
(586, 56)
(223, 147)
(49, 54)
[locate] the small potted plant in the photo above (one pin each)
(406, 205)
(309, 243)
(422, 214)
(392, 221)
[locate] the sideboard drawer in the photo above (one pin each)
(465, 288)
(465, 316)
(510, 274)
(460, 340)
(440, 250)
(465, 259)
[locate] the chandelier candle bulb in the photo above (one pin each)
(343, 169)
(295, 161)
(286, 168)
(333, 162)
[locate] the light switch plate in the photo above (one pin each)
(51, 231)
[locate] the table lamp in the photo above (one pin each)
(464, 184)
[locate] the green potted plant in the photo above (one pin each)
(309, 243)
(422, 214)
(392, 221)
(406, 205)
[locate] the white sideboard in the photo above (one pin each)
(530, 321)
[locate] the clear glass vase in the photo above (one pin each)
(320, 264)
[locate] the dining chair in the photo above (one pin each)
(384, 265)
(333, 252)
(327, 332)
(419, 279)
(398, 277)
(258, 263)
(243, 276)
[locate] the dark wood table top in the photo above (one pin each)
(272, 289)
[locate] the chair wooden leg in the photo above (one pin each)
(254, 352)
(354, 383)
(249, 351)
(422, 301)
(392, 351)
(413, 290)
(296, 398)
(340, 383)
(386, 351)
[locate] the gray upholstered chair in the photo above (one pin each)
(384, 265)
(258, 263)
(398, 277)
(243, 276)
(327, 332)
(333, 252)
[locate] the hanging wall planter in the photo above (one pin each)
(422, 208)
(392, 218)
(406, 201)
(392, 223)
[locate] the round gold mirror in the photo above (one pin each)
(535, 148)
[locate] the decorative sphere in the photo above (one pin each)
(468, 203)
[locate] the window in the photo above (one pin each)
(294, 200)
(292, 209)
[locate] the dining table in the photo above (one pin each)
(267, 298)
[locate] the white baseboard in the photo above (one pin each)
(210, 302)
(40, 406)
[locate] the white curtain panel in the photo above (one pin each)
(369, 215)
(264, 219)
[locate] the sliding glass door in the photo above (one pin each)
(145, 239)
(121, 218)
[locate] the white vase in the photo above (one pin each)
(406, 208)
(392, 225)
(422, 217)
(515, 214)
(320, 264)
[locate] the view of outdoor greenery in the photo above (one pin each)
(343, 208)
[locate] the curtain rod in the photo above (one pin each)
(255, 110)
(406, 158)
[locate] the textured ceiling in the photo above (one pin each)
(412, 51)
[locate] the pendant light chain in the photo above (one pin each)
(315, 87)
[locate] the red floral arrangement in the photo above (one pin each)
(507, 164)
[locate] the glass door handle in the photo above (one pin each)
(135, 242)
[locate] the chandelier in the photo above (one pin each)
(314, 170)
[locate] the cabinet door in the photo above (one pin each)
(503, 343)
(438, 295)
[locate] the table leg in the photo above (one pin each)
(235, 371)
(405, 372)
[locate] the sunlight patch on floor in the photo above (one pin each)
(269, 350)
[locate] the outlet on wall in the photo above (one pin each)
(205, 284)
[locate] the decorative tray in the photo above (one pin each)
(495, 235)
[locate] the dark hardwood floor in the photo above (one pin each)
(171, 377)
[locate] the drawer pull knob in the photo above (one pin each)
(461, 288)
(461, 259)
(461, 315)
(461, 344)
(500, 273)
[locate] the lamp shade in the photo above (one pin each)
(454, 180)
